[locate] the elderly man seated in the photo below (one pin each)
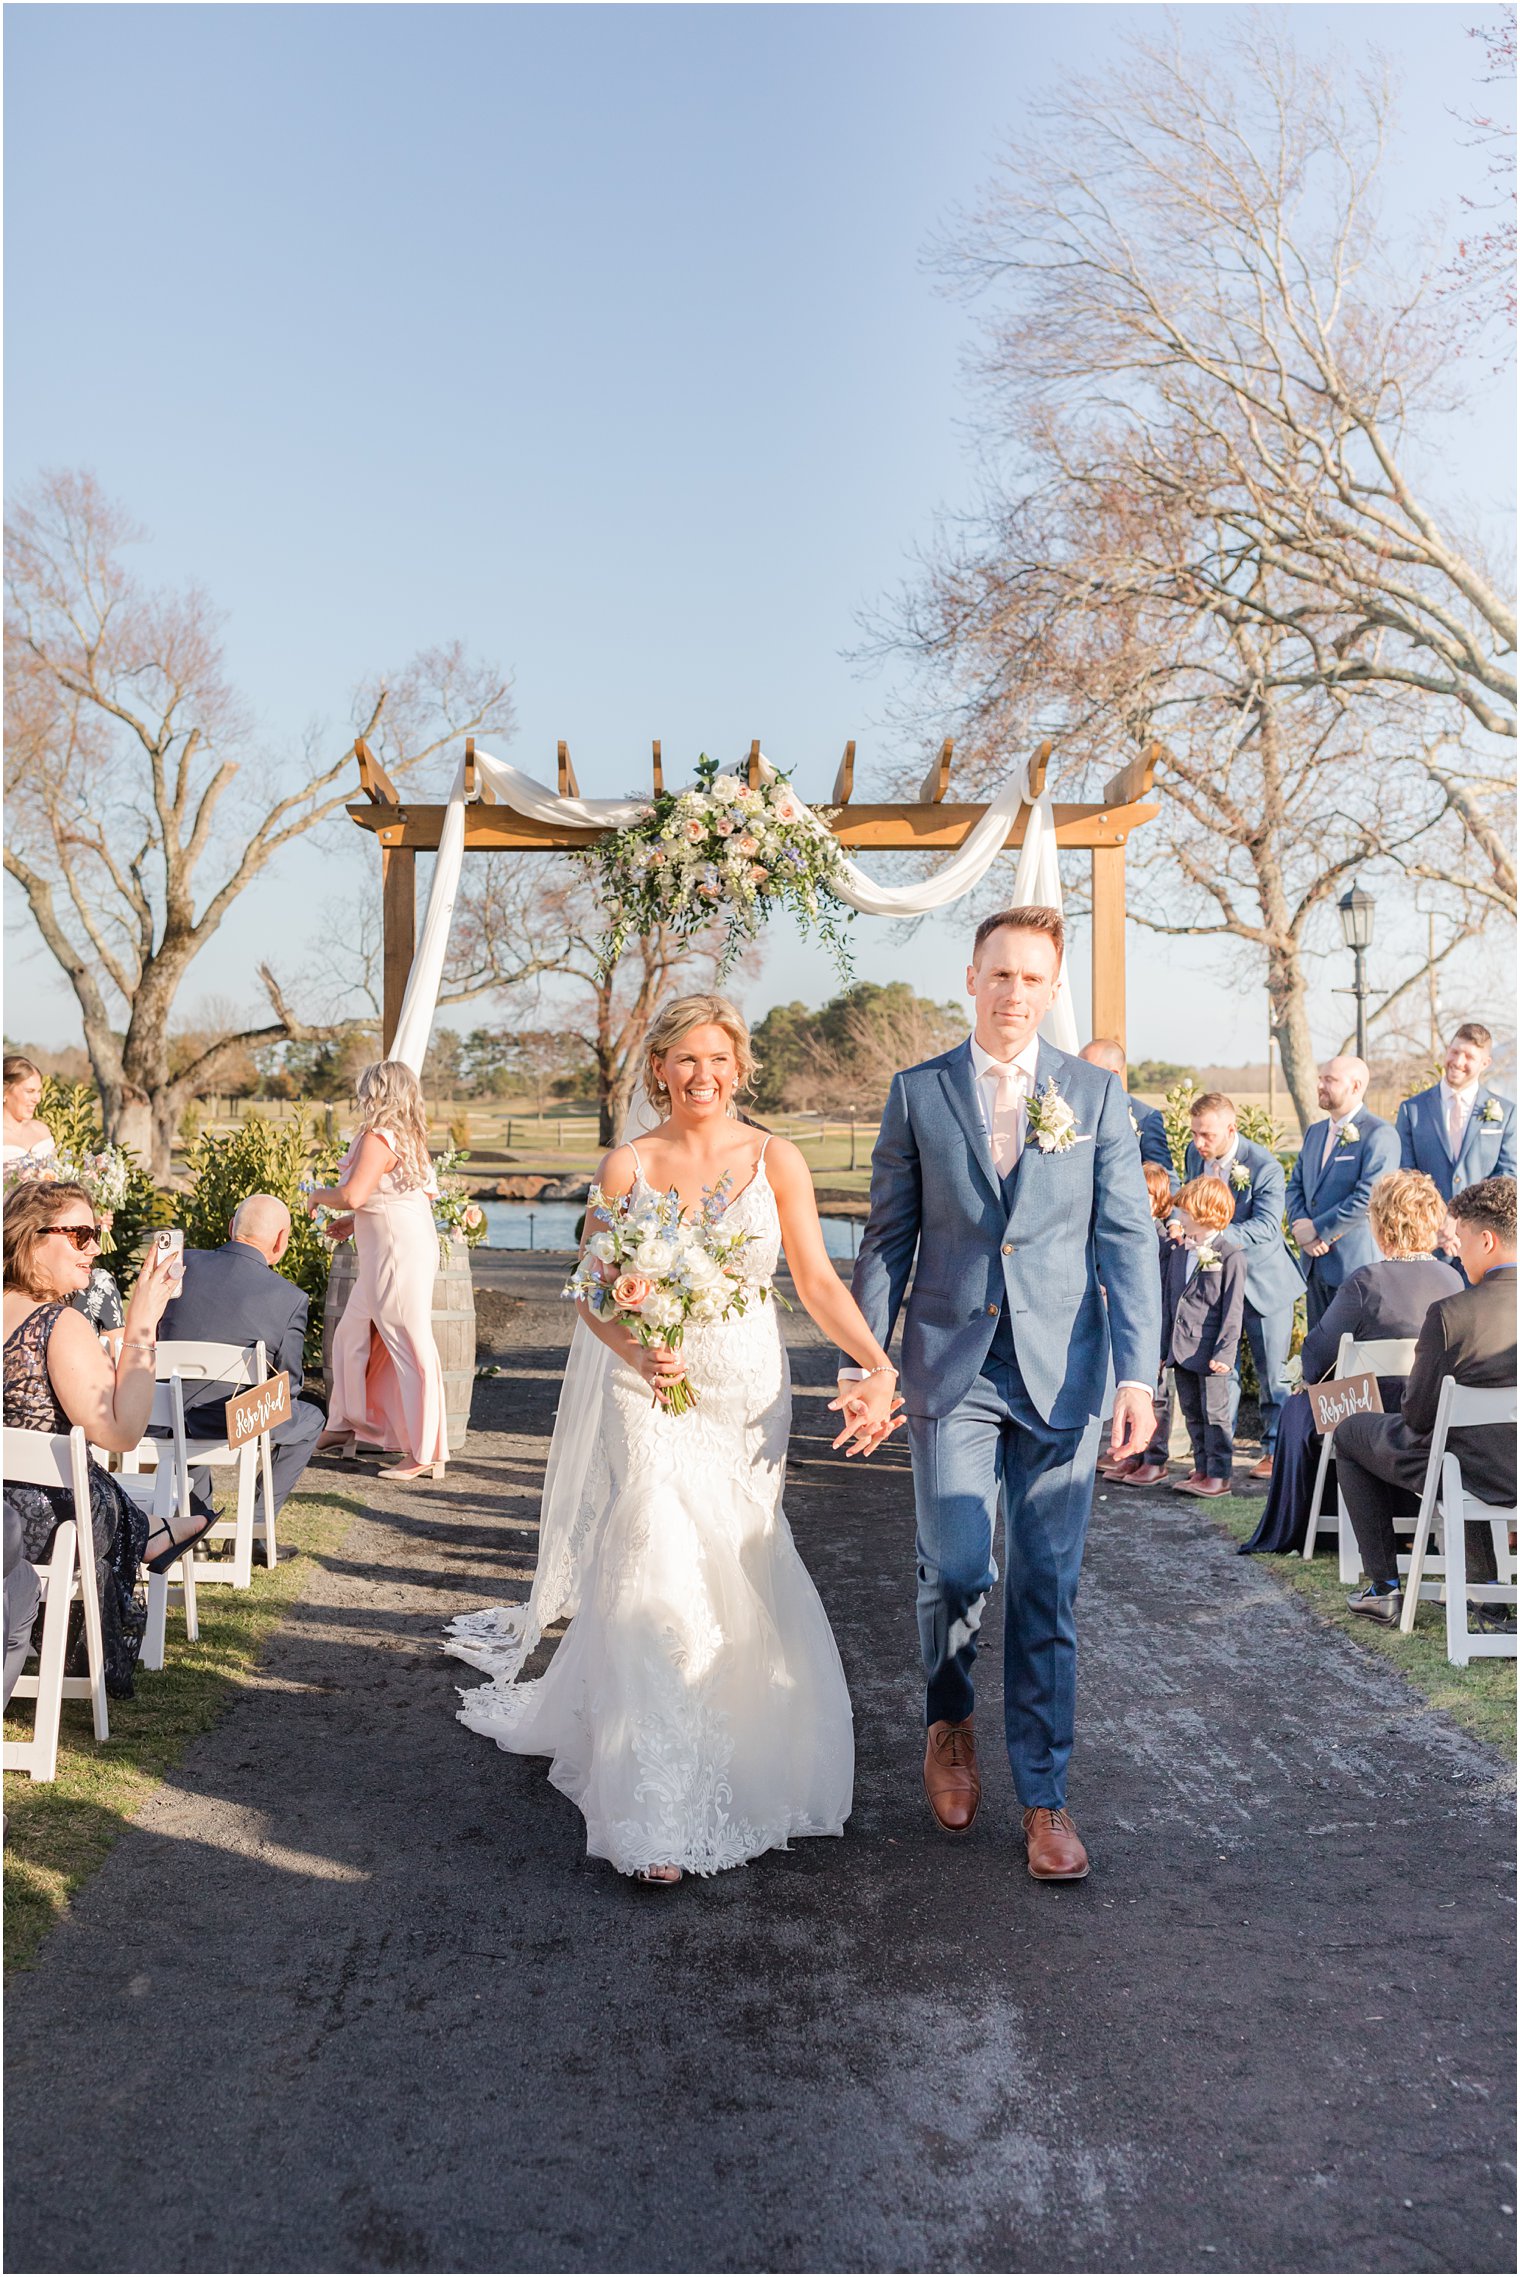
(233, 1295)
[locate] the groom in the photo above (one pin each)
(1010, 1171)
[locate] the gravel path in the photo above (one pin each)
(350, 1997)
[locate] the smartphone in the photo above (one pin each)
(169, 1241)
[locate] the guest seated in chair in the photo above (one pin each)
(1382, 1459)
(233, 1295)
(57, 1374)
(1376, 1303)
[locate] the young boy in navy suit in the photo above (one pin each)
(1152, 1463)
(1203, 1294)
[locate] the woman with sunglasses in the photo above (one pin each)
(57, 1374)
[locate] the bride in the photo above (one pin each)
(696, 1709)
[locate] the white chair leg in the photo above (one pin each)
(1316, 1502)
(96, 1650)
(192, 1611)
(1350, 1548)
(1418, 1550)
(266, 1477)
(38, 1756)
(242, 1547)
(152, 1653)
(1455, 1544)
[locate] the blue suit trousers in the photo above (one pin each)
(991, 1452)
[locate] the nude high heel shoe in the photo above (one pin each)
(405, 1473)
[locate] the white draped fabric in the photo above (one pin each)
(1037, 880)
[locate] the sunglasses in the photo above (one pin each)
(82, 1236)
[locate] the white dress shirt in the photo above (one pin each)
(987, 1071)
(1466, 1099)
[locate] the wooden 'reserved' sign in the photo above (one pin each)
(1343, 1396)
(258, 1409)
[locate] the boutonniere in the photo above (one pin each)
(1207, 1255)
(1240, 1177)
(1350, 1135)
(1492, 1111)
(1052, 1125)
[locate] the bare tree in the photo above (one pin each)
(1483, 270)
(1198, 392)
(135, 772)
(1190, 276)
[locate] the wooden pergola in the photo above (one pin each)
(928, 824)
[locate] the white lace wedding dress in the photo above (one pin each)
(695, 1710)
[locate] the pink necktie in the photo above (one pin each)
(1329, 1143)
(1456, 1117)
(1006, 1120)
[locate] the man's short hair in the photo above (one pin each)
(1491, 1203)
(1212, 1103)
(1035, 919)
(1474, 1032)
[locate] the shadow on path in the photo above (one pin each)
(354, 1974)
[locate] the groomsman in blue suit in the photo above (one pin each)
(1459, 1131)
(1147, 1123)
(1332, 1179)
(1273, 1282)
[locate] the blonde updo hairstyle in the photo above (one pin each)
(677, 1019)
(1407, 1213)
(390, 1101)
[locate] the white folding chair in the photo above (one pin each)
(40, 1459)
(1379, 1356)
(238, 1365)
(164, 1493)
(1445, 1497)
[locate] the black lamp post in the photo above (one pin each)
(1356, 909)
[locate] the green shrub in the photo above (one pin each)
(1176, 1114)
(263, 1157)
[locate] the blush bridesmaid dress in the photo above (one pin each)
(387, 1386)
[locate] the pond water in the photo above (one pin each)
(551, 1225)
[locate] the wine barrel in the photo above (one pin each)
(453, 1329)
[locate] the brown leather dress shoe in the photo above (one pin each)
(1263, 1469)
(952, 1781)
(1201, 1486)
(1149, 1474)
(1055, 1848)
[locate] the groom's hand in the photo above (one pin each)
(1134, 1420)
(871, 1416)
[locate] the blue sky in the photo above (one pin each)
(600, 338)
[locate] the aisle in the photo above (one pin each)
(351, 1998)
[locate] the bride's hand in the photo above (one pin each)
(660, 1368)
(871, 1411)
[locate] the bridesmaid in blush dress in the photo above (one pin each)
(387, 1386)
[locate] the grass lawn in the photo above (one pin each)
(1481, 1696)
(59, 1831)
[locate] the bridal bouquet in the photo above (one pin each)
(721, 849)
(652, 1270)
(455, 1210)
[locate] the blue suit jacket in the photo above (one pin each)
(1078, 1227)
(1335, 1196)
(1488, 1148)
(1150, 1129)
(230, 1296)
(1273, 1281)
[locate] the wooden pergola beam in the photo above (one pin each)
(926, 825)
(901, 829)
